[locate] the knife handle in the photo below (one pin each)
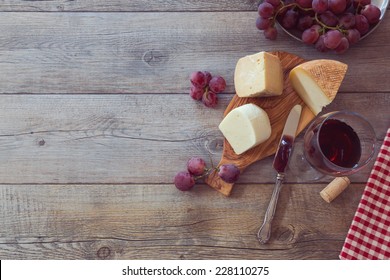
(265, 230)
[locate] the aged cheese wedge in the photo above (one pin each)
(317, 82)
(258, 75)
(245, 127)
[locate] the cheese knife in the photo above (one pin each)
(280, 164)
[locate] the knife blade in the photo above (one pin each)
(280, 162)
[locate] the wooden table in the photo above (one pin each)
(96, 120)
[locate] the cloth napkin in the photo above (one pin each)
(368, 237)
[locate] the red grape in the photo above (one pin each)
(217, 84)
(263, 23)
(320, 46)
(196, 93)
(319, 6)
(184, 181)
(304, 3)
(329, 19)
(266, 10)
(332, 39)
(337, 6)
(274, 3)
(353, 36)
(310, 36)
(372, 13)
(361, 24)
(271, 33)
(208, 76)
(304, 22)
(198, 79)
(347, 21)
(290, 19)
(210, 99)
(229, 173)
(196, 166)
(343, 46)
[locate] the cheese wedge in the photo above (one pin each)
(258, 75)
(245, 127)
(317, 82)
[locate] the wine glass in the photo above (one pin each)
(337, 144)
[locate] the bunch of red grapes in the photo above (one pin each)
(197, 169)
(326, 24)
(205, 87)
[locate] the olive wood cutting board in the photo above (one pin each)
(277, 108)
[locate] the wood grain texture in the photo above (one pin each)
(127, 6)
(126, 138)
(96, 120)
(154, 52)
(138, 222)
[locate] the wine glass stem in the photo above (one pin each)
(264, 233)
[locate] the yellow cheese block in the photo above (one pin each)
(245, 127)
(318, 81)
(258, 75)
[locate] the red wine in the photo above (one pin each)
(339, 143)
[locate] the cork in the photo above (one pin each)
(336, 187)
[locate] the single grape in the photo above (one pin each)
(328, 18)
(208, 76)
(217, 84)
(304, 3)
(210, 99)
(320, 46)
(290, 19)
(353, 36)
(263, 23)
(229, 173)
(347, 21)
(337, 6)
(184, 181)
(274, 3)
(361, 24)
(196, 93)
(198, 79)
(196, 166)
(372, 13)
(310, 35)
(343, 46)
(332, 39)
(266, 10)
(319, 6)
(304, 22)
(271, 33)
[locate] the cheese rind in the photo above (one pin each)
(246, 127)
(317, 82)
(257, 75)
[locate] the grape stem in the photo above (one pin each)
(206, 173)
(324, 26)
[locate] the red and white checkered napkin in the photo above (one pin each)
(369, 234)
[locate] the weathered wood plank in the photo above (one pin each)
(149, 222)
(128, 138)
(127, 6)
(99, 53)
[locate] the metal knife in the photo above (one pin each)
(280, 163)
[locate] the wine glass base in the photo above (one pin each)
(300, 168)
